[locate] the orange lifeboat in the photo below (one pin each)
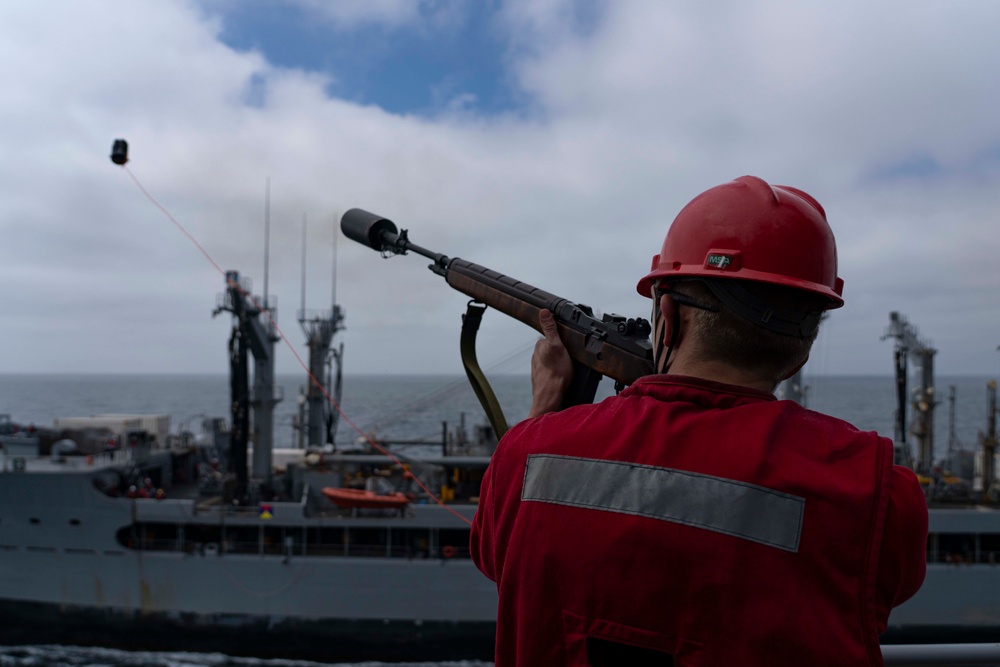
(359, 498)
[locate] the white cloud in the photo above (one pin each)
(635, 109)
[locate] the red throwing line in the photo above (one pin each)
(291, 347)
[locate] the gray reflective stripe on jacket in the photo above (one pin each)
(743, 510)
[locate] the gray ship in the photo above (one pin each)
(247, 556)
(960, 598)
(117, 537)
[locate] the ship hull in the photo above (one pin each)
(80, 567)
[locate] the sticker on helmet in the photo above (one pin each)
(719, 261)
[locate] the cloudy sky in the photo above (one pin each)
(550, 140)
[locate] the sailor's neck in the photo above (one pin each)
(719, 372)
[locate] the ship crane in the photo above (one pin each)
(909, 344)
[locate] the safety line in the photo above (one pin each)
(291, 347)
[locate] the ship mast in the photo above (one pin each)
(988, 441)
(325, 363)
(263, 339)
(954, 444)
(909, 344)
(254, 330)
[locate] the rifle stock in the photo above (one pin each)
(613, 346)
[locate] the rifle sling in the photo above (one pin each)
(470, 327)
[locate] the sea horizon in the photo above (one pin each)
(414, 406)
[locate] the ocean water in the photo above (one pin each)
(75, 656)
(404, 408)
(414, 407)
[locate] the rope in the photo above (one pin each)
(291, 347)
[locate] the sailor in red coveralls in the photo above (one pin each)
(694, 519)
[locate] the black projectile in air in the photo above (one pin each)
(119, 152)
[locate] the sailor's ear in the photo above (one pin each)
(667, 308)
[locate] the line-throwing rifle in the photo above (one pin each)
(612, 346)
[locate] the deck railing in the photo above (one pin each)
(941, 654)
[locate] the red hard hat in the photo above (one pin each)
(751, 230)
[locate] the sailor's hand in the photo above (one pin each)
(551, 369)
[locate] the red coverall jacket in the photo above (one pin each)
(698, 520)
